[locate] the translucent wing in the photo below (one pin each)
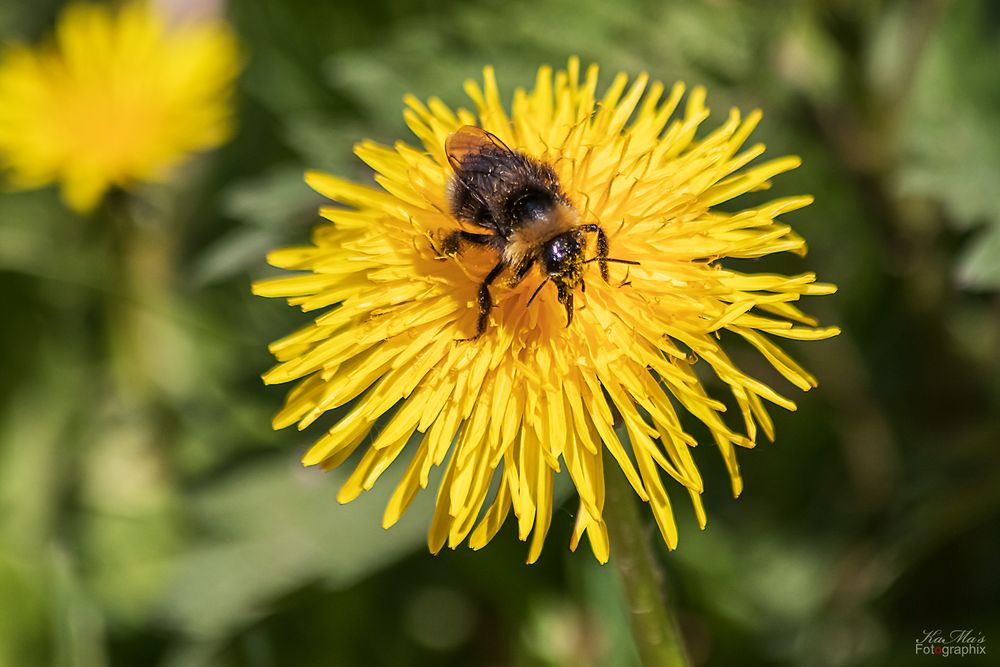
(469, 139)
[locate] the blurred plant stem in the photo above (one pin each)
(128, 481)
(140, 274)
(655, 629)
(140, 343)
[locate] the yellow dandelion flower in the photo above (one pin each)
(511, 408)
(115, 98)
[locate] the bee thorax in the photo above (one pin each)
(530, 237)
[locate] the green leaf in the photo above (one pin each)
(952, 136)
(25, 635)
(270, 200)
(979, 265)
(271, 529)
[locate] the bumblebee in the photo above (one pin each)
(526, 217)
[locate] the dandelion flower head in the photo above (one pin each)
(533, 397)
(116, 97)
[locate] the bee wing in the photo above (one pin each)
(469, 139)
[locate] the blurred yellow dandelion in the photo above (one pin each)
(117, 97)
(533, 395)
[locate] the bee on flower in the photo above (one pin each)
(526, 292)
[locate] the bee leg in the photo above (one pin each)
(602, 248)
(521, 271)
(566, 299)
(452, 243)
(486, 300)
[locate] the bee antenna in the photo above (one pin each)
(537, 290)
(613, 260)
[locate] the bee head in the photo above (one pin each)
(562, 258)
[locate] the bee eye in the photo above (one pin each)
(531, 205)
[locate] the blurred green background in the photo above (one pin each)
(149, 515)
